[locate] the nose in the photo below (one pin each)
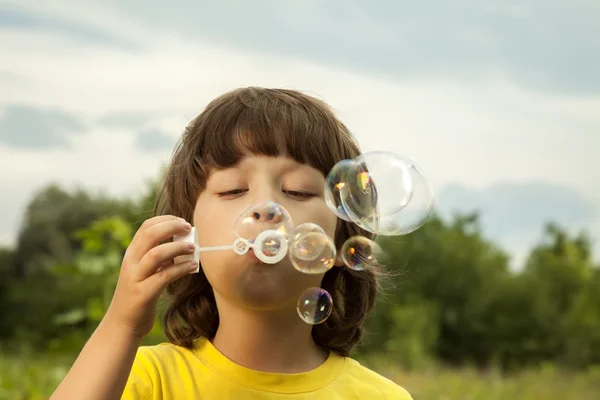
(268, 212)
(266, 196)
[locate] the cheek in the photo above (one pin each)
(214, 224)
(330, 222)
(212, 265)
(213, 230)
(219, 266)
(323, 217)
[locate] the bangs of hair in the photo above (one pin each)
(262, 123)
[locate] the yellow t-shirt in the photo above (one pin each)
(166, 371)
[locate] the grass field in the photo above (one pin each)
(34, 378)
(542, 384)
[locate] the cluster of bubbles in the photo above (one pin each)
(381, 192)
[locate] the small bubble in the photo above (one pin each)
(315, 305)
(271, 246)
(312, 253)
(360, 253)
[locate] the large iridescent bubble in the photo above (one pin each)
(382, 192)
(336, 180)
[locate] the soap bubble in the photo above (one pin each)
(336, 180)
(314, 305)
(305, 241)
(380, 191)
(261, 217)
(378, 185)
(271, 245)
(410, 216)
(360, 253)
(311, 250)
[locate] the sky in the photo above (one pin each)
(497, 101)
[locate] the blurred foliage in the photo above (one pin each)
(56, 281)
(450, 300)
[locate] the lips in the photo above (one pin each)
(254, 257)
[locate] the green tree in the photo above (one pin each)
(47, 239)
(104, 243)
(447, 273)
(50, 221)
(560, 272)
(6, 257)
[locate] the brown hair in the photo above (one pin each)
(268, 122)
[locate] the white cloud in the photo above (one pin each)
(153, 140)
(33, 128)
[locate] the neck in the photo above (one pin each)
(267, 341)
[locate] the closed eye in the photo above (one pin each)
(232, 192)
(294, 193)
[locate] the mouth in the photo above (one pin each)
(253, 257)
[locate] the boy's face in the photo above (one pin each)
(244, 280)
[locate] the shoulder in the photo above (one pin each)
(160, 354)
(372, 382)
(152, 367)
